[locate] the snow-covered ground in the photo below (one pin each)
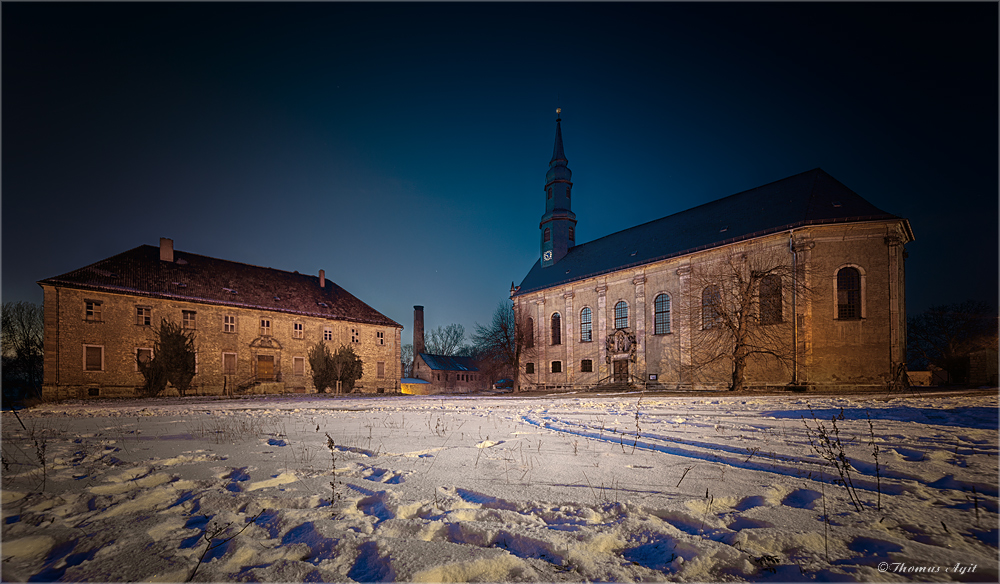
(626, 487)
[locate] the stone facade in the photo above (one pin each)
(828, 350)
(93, 331)
(629, 308)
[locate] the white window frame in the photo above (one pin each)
(188, 321)
(93, 311)
(380, 336)
(298, 330)
(265, 329)
(145, 313)
(227, 326)
(327, 334)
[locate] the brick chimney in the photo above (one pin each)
(166, 249)
(322, 279)
(418, 330)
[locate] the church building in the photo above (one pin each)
(797, 283)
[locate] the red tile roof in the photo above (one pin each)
(198, 278)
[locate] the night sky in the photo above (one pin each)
(403, 147)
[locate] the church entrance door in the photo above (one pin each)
(621, 371)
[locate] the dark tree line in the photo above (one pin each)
(23, 352)
(945, 336)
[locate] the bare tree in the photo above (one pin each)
(22, 345)
(738, 308)
(945, 336)
(504, 342)
(445, 341)
(406, 359)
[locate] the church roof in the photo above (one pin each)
(810, 198)
(449, 362)
(198, 278)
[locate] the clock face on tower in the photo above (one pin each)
(547, 255)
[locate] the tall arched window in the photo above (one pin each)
(556, 329)
(529, 336)
(547, 234)
(711, 306)
(621, 315)
(849, 293)
(769, 297)
(661, 314)
(586, 326)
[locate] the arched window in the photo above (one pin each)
(556, 329)
(586, 326)
(529, 336)
(769, 297)
(547, 235)
(711, 306)
(661, 314)
(849, 293)
(621, 315)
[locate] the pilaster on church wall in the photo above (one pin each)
(602, 330)
(639, 282)
(685, 321)
(569, 337)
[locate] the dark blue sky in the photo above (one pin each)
(403, 147)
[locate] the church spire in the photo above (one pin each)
(558, 224)
(557, 150)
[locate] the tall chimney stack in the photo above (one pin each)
(322, 279)
(418, 330)
(166, 249)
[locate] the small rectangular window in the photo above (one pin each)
(298, 366)
(143, 355)
(557, 366)
(586, 366)
(328, 334)
(143, 315)
(188, 317)
(355, 336)
(229, 363)
(529, 368)
(93, 358)
(93, 310)
(229, 323)
(265, 327)
(297, 331)
(380, 369)
(380, 336)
